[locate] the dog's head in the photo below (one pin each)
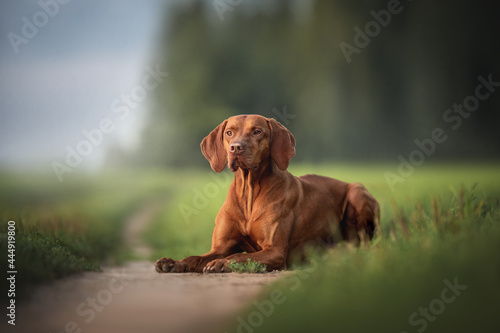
(246, 141)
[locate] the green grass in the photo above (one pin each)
(247, 267)
(184, 227)
(435, 228)
(74, 226)
(177, 235)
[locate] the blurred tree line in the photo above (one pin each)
(277, 54)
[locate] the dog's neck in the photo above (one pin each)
(249, 182)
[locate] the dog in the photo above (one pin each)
(269, 214)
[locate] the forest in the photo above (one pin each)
(353, 81)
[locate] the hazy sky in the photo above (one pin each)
(72, 62)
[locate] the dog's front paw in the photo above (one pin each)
(217, 266)
(167, 265)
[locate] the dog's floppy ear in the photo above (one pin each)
(212, 148)
(282, 144)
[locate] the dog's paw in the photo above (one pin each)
(217, 266)
(167, 265)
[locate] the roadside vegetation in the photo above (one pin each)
(440, 226)
(73, 226)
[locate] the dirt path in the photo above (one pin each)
(136, 225)
(135, 298)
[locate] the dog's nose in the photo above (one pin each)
(236, 148)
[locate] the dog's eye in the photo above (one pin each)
(229, 133)
(257, 132)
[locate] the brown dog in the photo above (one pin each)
(269, 213)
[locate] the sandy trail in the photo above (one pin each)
(135, 298)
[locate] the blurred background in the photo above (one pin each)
(103, 105)
(66, 67)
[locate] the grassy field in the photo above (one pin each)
(73, 226)
(182, 227)
(439, 228)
